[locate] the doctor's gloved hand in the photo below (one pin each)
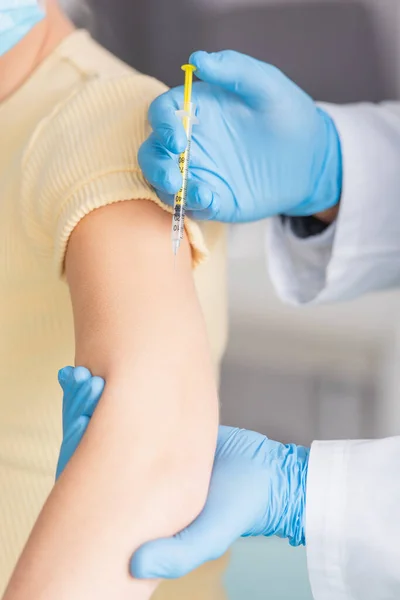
(262, 147)
(82, 393)
(258, 487)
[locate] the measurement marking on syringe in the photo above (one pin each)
(188, 118)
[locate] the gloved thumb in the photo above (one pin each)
(171, 558)
(256, 82)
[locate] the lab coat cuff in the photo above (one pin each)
(363, 254)
(298, 266)
(366, 249)
(325, 519)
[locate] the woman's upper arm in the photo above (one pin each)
(120, 270)
(138, 322)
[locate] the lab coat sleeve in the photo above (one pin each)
(361, 251)
(353, 520)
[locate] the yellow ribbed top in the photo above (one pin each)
(69, 142)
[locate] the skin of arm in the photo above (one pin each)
(141, 471)
(330, 215)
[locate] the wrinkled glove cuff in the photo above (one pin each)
(329, 181)
(298, 535)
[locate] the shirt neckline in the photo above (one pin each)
(41, 69)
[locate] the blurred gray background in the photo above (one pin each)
(295, 374)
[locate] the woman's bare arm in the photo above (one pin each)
(140, 471)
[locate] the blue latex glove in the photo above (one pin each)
(258, 487)
(261, 148)
(81, 395)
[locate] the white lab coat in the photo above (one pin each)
(353, 489)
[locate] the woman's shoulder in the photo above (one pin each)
(103, 113)
(84, 154)
(88, 142)
(98, 66)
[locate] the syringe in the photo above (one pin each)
(189, 119)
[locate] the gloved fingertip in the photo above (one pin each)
(196, 59)
(98, 385)
(174, 140)
(205, 197)
(65, 374)
(204, 204)
(199, 197)
(160, 559)
(211, 60)
(180, 142)
(170, 180)
(81, 374)
(205, 63)
(140, 566)
(215, 205)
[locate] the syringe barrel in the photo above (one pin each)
(188, 116)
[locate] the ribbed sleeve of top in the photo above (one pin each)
(83, 156)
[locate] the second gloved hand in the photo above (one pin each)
(262, 146)
(258, 487)
(81, 394)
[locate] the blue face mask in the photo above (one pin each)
(17, 17)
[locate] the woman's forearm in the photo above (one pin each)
(140, 471)
(116, 493)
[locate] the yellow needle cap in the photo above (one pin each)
(189, 70)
